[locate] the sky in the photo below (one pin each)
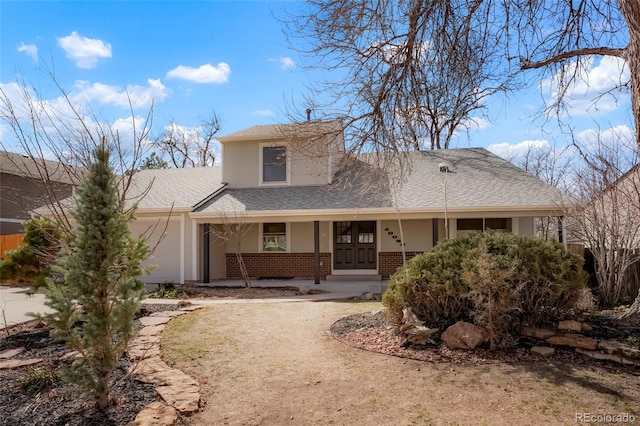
(193, 58)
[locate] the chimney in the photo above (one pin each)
(308, 115)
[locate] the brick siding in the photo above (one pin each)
(389, 261)
(278, 265)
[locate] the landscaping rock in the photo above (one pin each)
(464, 335)
(611, 346)
(303, 290)
(185, 398)
(543, 351)
(183, 304)
(191, 308)
(9, 353)
(147, 321)
(70, 356)
(599, 355)
(10, 364)
(573, 340)
(152, 330)
(170, 314)
(536, 333)
(156, 414)
(570, 325)
(586, 327)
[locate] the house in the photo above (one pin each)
(22, 188)
(310, 210)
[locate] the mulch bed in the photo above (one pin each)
(371, 332)
(59, 403)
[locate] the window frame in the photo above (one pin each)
(287, 236)
(287, 165)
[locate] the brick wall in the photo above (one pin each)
(278, 265)
(389, 261)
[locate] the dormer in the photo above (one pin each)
(282, 155)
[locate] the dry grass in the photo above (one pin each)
(273, 364)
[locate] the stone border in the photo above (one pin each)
(179, 392)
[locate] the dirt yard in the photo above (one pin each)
(275, 364)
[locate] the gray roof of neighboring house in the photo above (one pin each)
(180, 188)
(284, 131)
(477, 179)
(36, 168)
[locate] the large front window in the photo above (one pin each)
(274, 164)
(274, 237)
(467, 226)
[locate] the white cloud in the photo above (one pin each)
(29, 49)
(85, 51)
(510, 151)
(133, 95)
(285, 62)
(622, 136)
(264, 112)
(204, 74)
(589, 93)
(475, 123)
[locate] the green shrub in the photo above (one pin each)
(498, 280)
(38, 379)
(32, 262)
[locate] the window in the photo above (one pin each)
(467, 226)
(343, 232)
(274, 164)
(274, 237)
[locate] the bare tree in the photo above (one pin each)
(234, 229)
(189, 147)
(409, 70)
(553, 166)
(403, 75)
(58, 139)
(608, 220)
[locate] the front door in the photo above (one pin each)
(354, 245)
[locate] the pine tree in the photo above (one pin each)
(96, 303)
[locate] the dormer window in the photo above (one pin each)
(274, 164)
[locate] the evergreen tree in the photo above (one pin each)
(96, 304)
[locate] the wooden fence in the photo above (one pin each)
(10, 242)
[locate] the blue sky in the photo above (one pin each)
(230, 57)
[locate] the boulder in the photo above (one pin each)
(303, 290)
(536, 333)
(543, 351)
(573, 340)
(464, 335)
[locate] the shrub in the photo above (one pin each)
(32, 262)
(498, 280)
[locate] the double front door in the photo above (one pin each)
(354, 245)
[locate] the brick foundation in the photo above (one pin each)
(278, 265)
(389, 261)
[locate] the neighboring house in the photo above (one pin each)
(316, 212)
(22, 188)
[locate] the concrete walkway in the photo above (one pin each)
(15, 303)
(303, 298)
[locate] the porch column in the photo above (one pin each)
(560, 230)
(434, 227)
(316, 251)
(205, 252)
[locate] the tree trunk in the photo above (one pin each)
(631, 11)
(634, 310)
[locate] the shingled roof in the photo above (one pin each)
(476, 180)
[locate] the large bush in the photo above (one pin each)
(498, 280)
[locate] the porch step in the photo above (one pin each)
(354, 277)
